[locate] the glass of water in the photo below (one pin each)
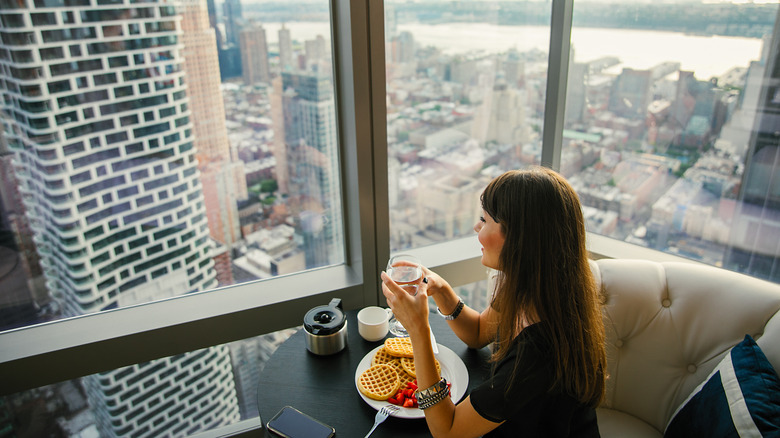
(406, 271)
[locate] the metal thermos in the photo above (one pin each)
(326, 328)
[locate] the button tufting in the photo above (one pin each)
(666, 303)
(619, 343)
(691, 368)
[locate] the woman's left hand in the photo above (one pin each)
(410, 310)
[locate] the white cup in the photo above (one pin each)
(372, 323)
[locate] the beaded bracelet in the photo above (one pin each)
(432, 395)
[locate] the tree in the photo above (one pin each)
(268, 186)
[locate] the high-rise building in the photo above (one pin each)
(285, 49)
(403, 48)
(514, 70)
(229, 44)
(230, 62)
(501, 116)
(576, 100)
(448, 206)
(312, 162)
(754, 241)
(96, 112)
(211, 8)
(630, 95)
(280, 147)
(254, 55)
(316, 51)
(223, 180)
(231, 14)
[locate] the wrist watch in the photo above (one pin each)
(455, 312)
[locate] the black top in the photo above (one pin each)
(530, 408)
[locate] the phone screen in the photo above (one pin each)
(292, 423)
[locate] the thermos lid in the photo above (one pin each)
(325, 320)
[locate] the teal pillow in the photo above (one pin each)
(741, 398)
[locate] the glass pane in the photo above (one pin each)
(670, 130)
(178, 149)
(475, 295)
(176, 396)
(465, 101)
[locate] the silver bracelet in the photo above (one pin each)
(455, 312)
(432, 395)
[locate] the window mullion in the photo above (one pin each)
(354, 88)
(378, 60)
(557, 74)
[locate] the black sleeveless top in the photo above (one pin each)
(530, 408)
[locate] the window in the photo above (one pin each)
(662, 140)
(334, 200)
(138, 238)
(466, 100)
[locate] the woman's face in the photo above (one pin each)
(491, 236)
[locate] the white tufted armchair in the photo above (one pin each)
(668, 325)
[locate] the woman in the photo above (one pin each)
(549, 357)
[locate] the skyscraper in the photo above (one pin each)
(754, 242)
(230, 53)
(280, 147)
(285, 49)
(254, 55)
(501, 116)
(630, 94)
(223, 180)
(231, 13)
(316, 51)
(576, 100)
(313, 167)
(96, 112)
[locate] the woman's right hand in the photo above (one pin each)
(434, 283)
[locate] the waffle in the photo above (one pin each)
(396, 364)
(382, 356)
(399, 347)
(405, 378)
(379, 382)
(408, 366)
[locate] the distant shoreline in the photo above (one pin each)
(711, 19)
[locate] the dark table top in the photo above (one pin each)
(324, 386)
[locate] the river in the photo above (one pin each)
(707, 56)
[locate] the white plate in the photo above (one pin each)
(452, 368)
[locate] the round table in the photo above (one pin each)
(324, 386)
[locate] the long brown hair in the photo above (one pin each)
(544, 275)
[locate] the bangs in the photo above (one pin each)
(493, 193)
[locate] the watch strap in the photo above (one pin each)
(455, 313)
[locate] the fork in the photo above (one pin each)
(382, 416)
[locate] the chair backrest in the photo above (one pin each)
(669, 324)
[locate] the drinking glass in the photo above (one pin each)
(406, 271)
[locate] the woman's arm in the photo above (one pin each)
(445, 419)
(473, 328)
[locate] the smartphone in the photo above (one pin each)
(292, 423)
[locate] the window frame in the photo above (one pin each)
(104, 341)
